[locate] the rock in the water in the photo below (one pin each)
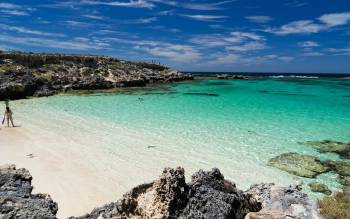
(17, 200)
(320, 187)
(208, 195)
(344, 180)
(282, 203)
(299, 164)
(341, 148)
(342, 168)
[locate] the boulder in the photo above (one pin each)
(299, 164)
(329, 146)
(211, 196)
(17, 200)
(342, 168)
(282, 202)
(320, 187)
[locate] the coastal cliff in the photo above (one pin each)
(207, 195)
(29, 74)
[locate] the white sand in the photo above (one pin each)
(62, 174)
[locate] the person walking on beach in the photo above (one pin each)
(8, 117)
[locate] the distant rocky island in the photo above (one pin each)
(32, 74)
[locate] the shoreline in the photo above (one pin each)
(61, 158)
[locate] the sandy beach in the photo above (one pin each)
(62, 174)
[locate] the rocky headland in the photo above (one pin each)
(207, 195)
(29, 74)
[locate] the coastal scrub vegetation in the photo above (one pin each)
(336, 207)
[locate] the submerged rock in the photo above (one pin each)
(282, 202)
(344, 180)
(202, 94)
(320, 187)
(339, 167)
(16, 198)
(299, 164)
(341, 148)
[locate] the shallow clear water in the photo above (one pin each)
(236, 126)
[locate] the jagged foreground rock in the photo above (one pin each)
(17, 200)
(29, 74)
(282, 202)
(207, 195)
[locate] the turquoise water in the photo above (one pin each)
(236, 126)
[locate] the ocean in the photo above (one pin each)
(234, 125)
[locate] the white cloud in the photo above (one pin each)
(78, 24)
(205, 6)
(75, 44)
(312, 54)
(8, 5)
(337, 50)
(171, 51)
(297, 27)
(224, 59)
(296, 4)
(144, 20)
(130, 3)
(28, 31)
(231, 58)
(325, 23)
(15, 12)
(234, 41)
(210, 18)
(259, 19)
(308, 44)
(94, 17)
(180, 53)
(251, 46)
(335, 19)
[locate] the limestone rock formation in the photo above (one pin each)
(282, 203)
(208, 195)
(29, 74)
(299, 164)
(17, 200)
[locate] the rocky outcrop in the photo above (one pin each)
(299, 164)
(28, 74)
(16, 198)
(282, 203)
(207, 195)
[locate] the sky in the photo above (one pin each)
(195, 35)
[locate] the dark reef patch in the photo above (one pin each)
(203, 94)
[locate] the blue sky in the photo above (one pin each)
(193, 35)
